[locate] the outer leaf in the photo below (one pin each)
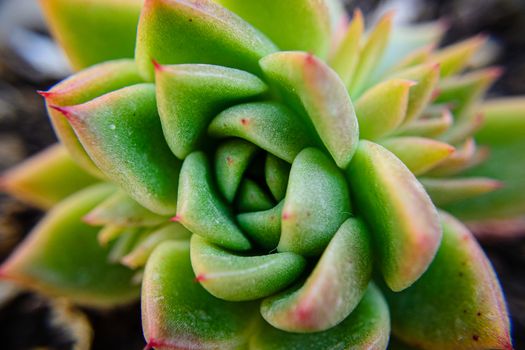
(317, 92)
(368, 327)
(231, 160)
(428, 126)
(462, 158)
(333, 289)
(264, 227)
(190, 95)
(206, 33)
(269, 125)
(454, 58)
(62, 257)
(382, 108)
(123, 211)
(317, 202)
(178, 313)
(79, 25)
(445, 191)
(403, 220)
(293, 25)
(201, 210)
(39, 180)
(121, 132)
(236, 278)
(419, 154)
(457, 303)
(82, 87)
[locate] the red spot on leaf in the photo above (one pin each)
(176, 218)
(475, 337)
(244, 121)
(229, 160)
(200, 277)
(66, 111)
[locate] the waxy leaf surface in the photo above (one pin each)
(62, 257)
(264, 227)
(404, 222)
(457, 303)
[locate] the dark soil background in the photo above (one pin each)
(24, 130)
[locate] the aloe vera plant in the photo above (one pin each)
(271, 175)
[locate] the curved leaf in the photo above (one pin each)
(252, 197)
(316, 91)
(205, 33)
(264, 227)
(276, 173)
(457, 303)
(404, 222)
(236, 278)
(317, 202)
(449, 190)
(62, 257)
(121, 132)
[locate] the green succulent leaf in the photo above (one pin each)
(263, 227)
(62, 256)
(201, 210)
(239, 278)
(404, 223)
(316, 91)
(452, 59)
(121, 132)
(206, 33)
(79, 25)
(125, 242)
(83, 87)
(317, 202)
(179, 313)
(418, 153)
(39, 180)
(121, 210)
(450, 190)
(190, 95)
(465, 156)
(138, 256)
(292, 25)
(252, 197)
(382, 108)
(276, 173)
(333, 289)
(367, 327)
(457, 303)
(269, 125)
(429, 126)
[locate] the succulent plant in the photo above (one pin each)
(271, 174)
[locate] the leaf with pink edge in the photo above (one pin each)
(444, 191)
(457, 303)
(205, 33)
(404, 223)
(80, 25)
(367, 327)
(178, 313)
(62, 257)
(320, 96)
(39, 180)
(121, 132)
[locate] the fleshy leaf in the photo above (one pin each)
(62, 257)
(454, 58)
(82, 87)
(371, 54)
(121, 210)
(382, 108)
(269, 125)
(124, 243)
(333, 289)
(317, 202)
(121, 132)
(39, 180)
(238, 278)
(316, 91)
(462, 158)
(205, 33)
(93, 31)
(344, 60)
(231, 160)
(430, 126)
(404, 223)
(141, 252)
(292, 25)
(201, 210)
(367, 327)
(252, 197)
(418, 153)
(449, 190)
(177, 313)
(264, 227)
(109, 233)
(276, 173)
(457, 303)
(190, 95)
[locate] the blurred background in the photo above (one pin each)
(30, 61)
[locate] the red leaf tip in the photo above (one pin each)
(66, 111)
(176, 218)
(158, 67)
(200, 277)
(45, 94)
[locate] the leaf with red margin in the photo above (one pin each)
(457, 303)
